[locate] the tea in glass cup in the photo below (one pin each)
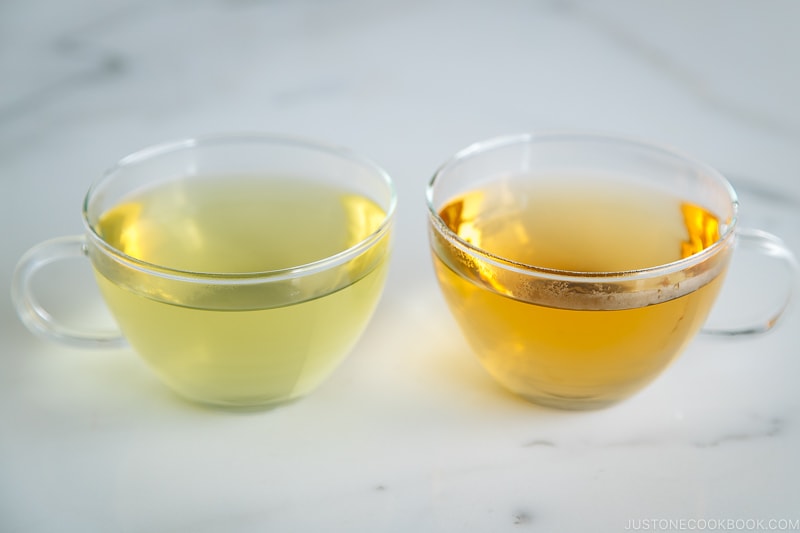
(579, 266)
(243, 269)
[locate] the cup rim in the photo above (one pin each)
(555, 274)
(236, 278)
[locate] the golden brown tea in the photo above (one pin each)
(552, 351)
(245, 345)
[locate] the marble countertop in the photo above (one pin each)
(410, 434)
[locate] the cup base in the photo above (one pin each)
(588, 403)
(232, 407)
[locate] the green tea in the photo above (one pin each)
(241, 345)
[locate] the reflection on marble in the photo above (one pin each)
(410, 435)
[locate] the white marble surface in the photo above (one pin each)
(410, 434)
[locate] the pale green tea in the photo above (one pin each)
(243, 344)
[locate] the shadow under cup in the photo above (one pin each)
(541, 246)
(243, 269)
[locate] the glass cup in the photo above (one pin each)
(243, 269)
(578, 266)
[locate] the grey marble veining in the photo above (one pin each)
(697, 82)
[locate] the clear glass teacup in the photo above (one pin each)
(578, 266)
(242, 268)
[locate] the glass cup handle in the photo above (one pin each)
(34, 316)
(766, 243)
